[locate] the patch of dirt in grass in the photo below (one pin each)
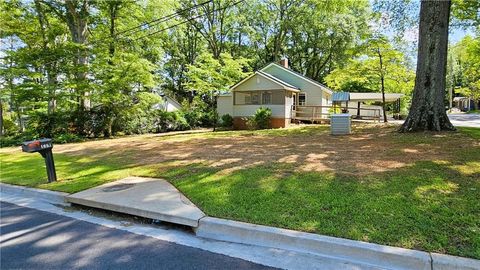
(369, 149)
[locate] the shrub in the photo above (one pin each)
(199, 117)
(67, 138)
(99, 121)
(227, 120)
(170, 121)
(6, 141)
(193, 117)
(9, 127)
(15, 140)
(41, 124)
(199, 112)
(250, 123)
(262, 117)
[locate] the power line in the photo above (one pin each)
(161, 19)
(149, 23)
(163, 29)
(188, 20)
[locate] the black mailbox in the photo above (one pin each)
(44, 147)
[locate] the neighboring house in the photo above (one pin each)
(276, 87)
(168, 104)
(465, 104)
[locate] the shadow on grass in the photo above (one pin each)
(428, 206)
(73, 173)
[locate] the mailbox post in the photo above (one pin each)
(44, 147)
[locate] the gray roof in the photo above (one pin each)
(340, 96)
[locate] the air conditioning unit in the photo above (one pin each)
(340, 124)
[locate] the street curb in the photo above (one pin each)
(375, 255)
(447, 262)
(386, 257)
(54, 197)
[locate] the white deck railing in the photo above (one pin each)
(322, 113)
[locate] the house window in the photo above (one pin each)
(247, 99)
(302, 99)
(267, 98)
(242, 98)
(276, 97)
(255, 98)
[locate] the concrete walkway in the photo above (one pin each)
(144, 197)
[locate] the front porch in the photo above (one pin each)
(321, 114)
(340, 103)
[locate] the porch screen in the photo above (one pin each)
(260, 97)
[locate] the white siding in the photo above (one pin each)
(278, 111)
(313, 92)
(326, 101)
(258, 82)
(171, 107)
(225, 105)
(288, 105)
(255, 83)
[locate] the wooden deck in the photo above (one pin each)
(321, 114)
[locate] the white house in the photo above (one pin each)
(276, 87)
(168, 104)
(291, 96)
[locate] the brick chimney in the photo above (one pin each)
(284, 62)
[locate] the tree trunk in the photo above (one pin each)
(113, 9)
(1, 118)
(78, 26)
(14, 101)
(49, 68)
(382, 81)
(427, 111)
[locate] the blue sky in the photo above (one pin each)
(457, 34)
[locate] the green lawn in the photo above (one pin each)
(429, 200)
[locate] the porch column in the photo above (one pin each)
(358, 110)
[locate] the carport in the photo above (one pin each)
(360, 98)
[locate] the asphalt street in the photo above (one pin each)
(33, 239)
(465, 120)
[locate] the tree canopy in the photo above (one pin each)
(82, 60)
(464, 68)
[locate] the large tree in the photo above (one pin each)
(381, 68)
(428, 109)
